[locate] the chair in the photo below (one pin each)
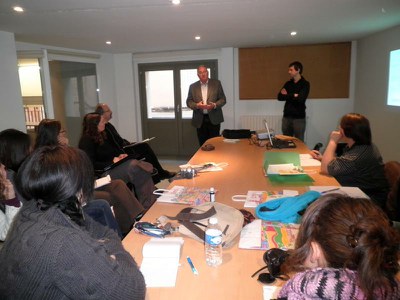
(392, 173)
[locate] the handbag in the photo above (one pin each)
(236, 133)
(194, 220)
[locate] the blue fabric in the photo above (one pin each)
(286, 209)
(100, 211)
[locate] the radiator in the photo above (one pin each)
(256, 122)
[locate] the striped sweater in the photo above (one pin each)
(329, 284)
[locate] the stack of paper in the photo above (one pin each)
(261, 234)
(161, 261)
(350, 191)
(255, 198)
(184, 195)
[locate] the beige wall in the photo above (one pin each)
(372, 74)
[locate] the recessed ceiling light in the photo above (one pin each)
(18, 9)
(383, 10)
(108, 42)
(293, 33)
(197, 37)
(176, 2)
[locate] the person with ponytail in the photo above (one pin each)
(53, 250)
(346, 249)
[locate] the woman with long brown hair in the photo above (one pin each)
(105, 158)
(346, 249)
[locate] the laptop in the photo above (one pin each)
(278, 143)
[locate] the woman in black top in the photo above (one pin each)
(109, 159)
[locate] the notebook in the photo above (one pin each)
(161, 261)
(278, 143)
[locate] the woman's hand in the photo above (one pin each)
(316, 154)
(121, 156)
(9, 192)
(336, 136)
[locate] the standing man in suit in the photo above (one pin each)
(294, 93)
(206, 98)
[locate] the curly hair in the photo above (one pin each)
(353, 233)
(89, 128)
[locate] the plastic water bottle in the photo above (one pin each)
(212, 195)
(213, 243)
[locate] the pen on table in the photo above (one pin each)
(331, 190)
(194, 270)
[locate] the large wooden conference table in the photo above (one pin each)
(232, 279)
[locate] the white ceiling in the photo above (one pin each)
(157, 25)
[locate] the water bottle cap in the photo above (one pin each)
(213, 221)
(211, 189)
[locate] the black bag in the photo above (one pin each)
(273, 259)
(236, 133)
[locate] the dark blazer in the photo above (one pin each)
(215, 94)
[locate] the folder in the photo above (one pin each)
(285, 168)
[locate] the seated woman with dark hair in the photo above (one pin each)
(345, 249)
(53, 251)
(9, 203)
(15, 146)
(125, 205)
(102, 153)
(361, 164)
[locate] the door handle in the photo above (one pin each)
(178, 108)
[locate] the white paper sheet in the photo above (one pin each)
(306, 160)
(250, 236)
(161, 261)
(102, 181)
(350, 191)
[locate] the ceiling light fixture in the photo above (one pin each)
(293, 33)
(108, 42)
(197, 37)
(18, 9)
(176, 2)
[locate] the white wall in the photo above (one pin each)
(125, 105)
(119, 88)
(11, 112)
(371, 90)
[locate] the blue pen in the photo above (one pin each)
(192, 266)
